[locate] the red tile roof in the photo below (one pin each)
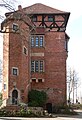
(39, 8)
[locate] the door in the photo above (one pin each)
(14, 96)
(49, 107)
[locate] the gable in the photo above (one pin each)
(41, 9)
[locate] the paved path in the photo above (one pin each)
(72, 117)
(11, 118)
(16, 118)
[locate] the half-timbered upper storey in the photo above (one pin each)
(41, 15)
(45, 16)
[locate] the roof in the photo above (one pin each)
(18, 15)
(39, 8)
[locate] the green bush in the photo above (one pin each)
(37, 98)
(63, 110)
(76, 106)
(21, 113)
(33, 104)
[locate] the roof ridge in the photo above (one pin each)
(46, 6)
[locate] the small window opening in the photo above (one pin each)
(25, 50)
(15, 27)
(50, 18)
(15, 71)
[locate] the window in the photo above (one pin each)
(41, 41)
(50, 18)
(41, 66)
(32, 66)
(39, 80)
(15, 27)
(5, 86)
(32, 41)
(37, 41)
(33, 79)
(15, 71)
(34, 18)
(37, 66)
(25, 50)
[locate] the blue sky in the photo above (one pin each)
(73, 28)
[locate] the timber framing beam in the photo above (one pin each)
(59, 24)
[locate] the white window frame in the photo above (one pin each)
(17, 71)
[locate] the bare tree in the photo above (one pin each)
(72, 83)
(6, 6)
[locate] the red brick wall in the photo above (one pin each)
(5, 65)
(20, 60)
(55, 68)
(54, 62)
(16, 58)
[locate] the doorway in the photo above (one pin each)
(14, 97)
(49, 107)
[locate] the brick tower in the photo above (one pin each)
(35, 53)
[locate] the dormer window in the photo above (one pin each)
(50, 18)
(15, 27)
(34, 18)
